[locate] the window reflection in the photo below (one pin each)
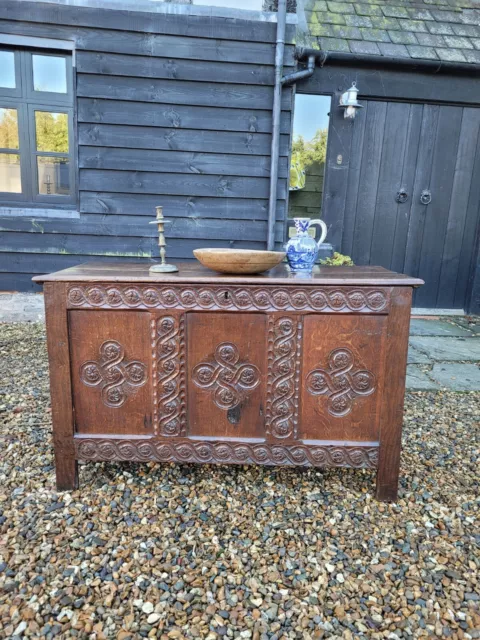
(51, 131)
(7, 69)
(49, 74)
(309, 150)
(10, 179)
(53, 176)
(8, 129)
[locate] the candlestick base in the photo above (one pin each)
(163, 268)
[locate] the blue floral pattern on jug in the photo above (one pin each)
(302, 249)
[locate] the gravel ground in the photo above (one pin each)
(243, 552)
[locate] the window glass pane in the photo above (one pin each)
(7, 69)
(49, 73)
(53, 176)
(8, 129)
(10, 179)
(51, 131)
(307, 164)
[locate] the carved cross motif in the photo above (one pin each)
(340, 383)
(229, 379)
(117, 378)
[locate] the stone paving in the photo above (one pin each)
(444, 352)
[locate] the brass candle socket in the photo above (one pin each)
(163, 267)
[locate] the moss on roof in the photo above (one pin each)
(427, 29)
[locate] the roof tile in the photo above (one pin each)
(458, 42)
(395, 12)
(446, 16)
(337, 31)
(440, 28)
(422, 52)
(413, 25)
(340, 7)
(358, 21)
(420, 14)
(367, 48)
(324, 17)
(384, 23)
(376, 35)
(470, 16)
(367, 9)
(451, 55)
(430, 40)
(393, 50)
(403, 37)
(466, 30)
(334, 44)
(431, 29)
(472, 56)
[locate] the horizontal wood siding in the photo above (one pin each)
(171, 110)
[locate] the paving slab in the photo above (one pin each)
(418, 380)
(417, 357)
(457, 377)
(441, 348)
(421, 327)
(472, 323)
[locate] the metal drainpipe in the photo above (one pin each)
(276, 111)
(280, 81)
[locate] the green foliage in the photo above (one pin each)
(8, 129)
(306, 153)
(52, 131)
(337, 260)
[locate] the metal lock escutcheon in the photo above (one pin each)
(425, 197)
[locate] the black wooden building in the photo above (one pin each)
(173, 106)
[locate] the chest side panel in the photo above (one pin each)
(342, 377)
(111, 368)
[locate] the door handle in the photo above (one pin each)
(401, 196)
(425, 197)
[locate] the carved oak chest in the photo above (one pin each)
(199, 367)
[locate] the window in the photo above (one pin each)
(309, 149)
(36, 128)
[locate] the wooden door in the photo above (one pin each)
(226, 357)
(110, 355)
(412, 195)
(343, 377)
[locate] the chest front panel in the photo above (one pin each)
(270, 373)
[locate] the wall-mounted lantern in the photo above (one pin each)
(349, 102)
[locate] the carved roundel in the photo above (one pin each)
(341, 383)
(116, 377)
(229, 380)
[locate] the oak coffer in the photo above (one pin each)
(198, 367)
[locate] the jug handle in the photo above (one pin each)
(323, 226)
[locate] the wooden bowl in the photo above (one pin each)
(238, 260)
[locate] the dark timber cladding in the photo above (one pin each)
(172, 110)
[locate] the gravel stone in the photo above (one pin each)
(283, 554)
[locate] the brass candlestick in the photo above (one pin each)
(163, 267)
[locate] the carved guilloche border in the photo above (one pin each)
(271, 298)
(186, 450)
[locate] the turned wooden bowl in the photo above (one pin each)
(238, 260)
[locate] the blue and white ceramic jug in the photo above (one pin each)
(302, 249)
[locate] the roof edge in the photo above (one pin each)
(172, 8)
(408, 64)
